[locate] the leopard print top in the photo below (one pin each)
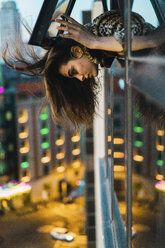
(111, 24)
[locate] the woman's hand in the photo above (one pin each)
(76, 32)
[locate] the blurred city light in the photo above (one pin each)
(160, 132)
(1, 90)
(138, 158)
(160, 185)
(75, 138)
(13, 188)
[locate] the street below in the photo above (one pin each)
(30, 227)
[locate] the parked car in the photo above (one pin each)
(62, 234)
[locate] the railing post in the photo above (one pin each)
(128, 124)
(106, 123)
(112, 143)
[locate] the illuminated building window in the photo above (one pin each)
(8, 115)
(76, 163)
(44, 129)
(160, 132)
(138, 143)
(60, 155)
(116, 141)
(137, 114)
(25, 176)
(44, 113)
(119, 168)
(60, 168)
(25, 162)
(24, 133)
(138, 129)
(109, 151)
(10, 147)
(60, 140)
(46, 157)
(116, 154)
(24, 147)
(138, 158)
(159, 162)
(160, 147)
(138, 140)
(159, 177)
(76, 151)
(23, 116)
(2, 154)
(76, 137)
(45, 143)
(25, 179)
(109, 111)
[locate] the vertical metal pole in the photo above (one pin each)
(110, 173)
(128, 125)
(105, 5)
(112, 143)
(106, 122)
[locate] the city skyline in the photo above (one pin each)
(29, 11)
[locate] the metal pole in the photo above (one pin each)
(106, 123)
(112, 143)
(128, 124)
(112, 190)
(105, 7)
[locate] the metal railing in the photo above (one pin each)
(111, 218)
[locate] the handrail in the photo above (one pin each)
(114, 231)
(128, 124)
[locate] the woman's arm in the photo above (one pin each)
(111, 44)
(80, 34)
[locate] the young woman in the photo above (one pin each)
(71, 62)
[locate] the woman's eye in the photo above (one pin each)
(74, 72)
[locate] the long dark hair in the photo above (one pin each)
(70, 99)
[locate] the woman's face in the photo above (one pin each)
(81, 69)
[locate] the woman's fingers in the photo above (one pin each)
(67, 26)
(68, 35)
(75, 31)
(62, 22)
(64, 28)
(71, 19)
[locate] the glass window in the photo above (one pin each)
(145, 9)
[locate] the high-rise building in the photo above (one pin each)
(9, 22)
(42, 145)
(8, 144)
